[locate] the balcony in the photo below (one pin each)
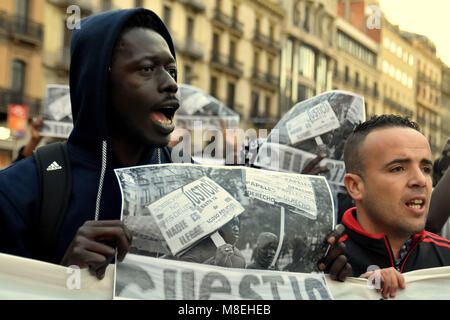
(226, 64)
(266, 42)
(7, 97)
(196, 5)
(236, 27)
(398, 107)
(59, 60)
(84, 5)
(190, 48)
(220, 19)
(21, 28)
(265, 80)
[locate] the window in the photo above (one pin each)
(411, 60)
(18, 76)
(22, 8)
(267, 109)
(306, 19)
(385, 66)
(306, 62)
(138, 3)
(106, 5)
(346, 76)
(187, 74)
(254, 105)
(404, 79)
(230, 95)
(296, 14)
(392, 71)
(357, 79)
(189, 29)
(269, 66)
(387, 43)
(213, 89)
(232, 51)
(257, 25)
(255, 61)
(167, 12)
(215, 45)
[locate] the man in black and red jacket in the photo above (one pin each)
(389, 176)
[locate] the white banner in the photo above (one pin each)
(158, 279)
(26, 279)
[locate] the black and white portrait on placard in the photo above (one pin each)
(57, 115)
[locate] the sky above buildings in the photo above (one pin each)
(430, 18)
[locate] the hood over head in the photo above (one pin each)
(91, 54)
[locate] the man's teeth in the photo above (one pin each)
(415, 204)
(166, 122)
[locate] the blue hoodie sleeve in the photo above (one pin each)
(19, 201)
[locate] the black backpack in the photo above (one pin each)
(55, 185)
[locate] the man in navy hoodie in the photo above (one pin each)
(122, 89)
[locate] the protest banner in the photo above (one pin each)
(57, 115)
(140, 277)
(28, 279)
(173, 209)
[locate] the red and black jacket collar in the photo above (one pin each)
(368, 248)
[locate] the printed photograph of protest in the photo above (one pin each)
(317, 125)
(234, 217)
(57, 114)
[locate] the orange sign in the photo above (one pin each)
(17, 120)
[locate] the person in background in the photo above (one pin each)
(35, 139)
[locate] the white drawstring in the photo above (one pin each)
(102, 177)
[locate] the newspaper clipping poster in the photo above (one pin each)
(186, 212)
(57, 116)
(317, 125)
(197, 107)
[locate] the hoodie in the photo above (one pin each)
(95, 193)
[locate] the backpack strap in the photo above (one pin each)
(55, 184)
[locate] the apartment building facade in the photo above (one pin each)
(21, 40)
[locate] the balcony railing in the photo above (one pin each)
(8, 96)
(196, 5)
(398, 107)
(58, 59)
(221, 17)
(190, 47)
(268, 42)
(265, 77)
(84, 5)
(227, 61)
(21, 27)
(237, 26)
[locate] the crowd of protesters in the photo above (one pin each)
(123, 84)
